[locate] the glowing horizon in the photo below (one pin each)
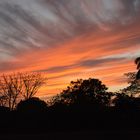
(70, 39)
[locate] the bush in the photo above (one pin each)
(32, 105)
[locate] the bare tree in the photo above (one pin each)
(11, 87)
(31, 83)
(3, 100)
(19, 85)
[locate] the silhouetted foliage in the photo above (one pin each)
(4, 109)
(136, 102)
(126, 99)
(138, 75)
(137, 62)
(134, 85)
(84, 104)
(90, 91)
(133, 80)
(19, 85)
(122, 101)
(32, 105)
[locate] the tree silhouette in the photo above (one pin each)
(134, 86)
(90, 91)
(3, 100)
(137, 62)
(18, 85)
(31, 83)
(126, 97)
(133, 81)
(10, 89)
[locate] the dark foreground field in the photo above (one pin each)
(75, 135)
(71, 124)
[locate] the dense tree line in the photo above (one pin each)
(23, 86)
(85, 103)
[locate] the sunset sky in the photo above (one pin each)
(70, 39)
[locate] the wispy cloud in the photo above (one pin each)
(70, 39)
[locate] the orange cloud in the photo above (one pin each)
(104, 55)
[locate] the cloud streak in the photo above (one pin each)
(70, 39)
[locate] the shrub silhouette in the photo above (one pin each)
(123, 101)
(4, 109)
(136, 102)
(32, 105)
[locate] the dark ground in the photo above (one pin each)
(75, 135)
(69, 124)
